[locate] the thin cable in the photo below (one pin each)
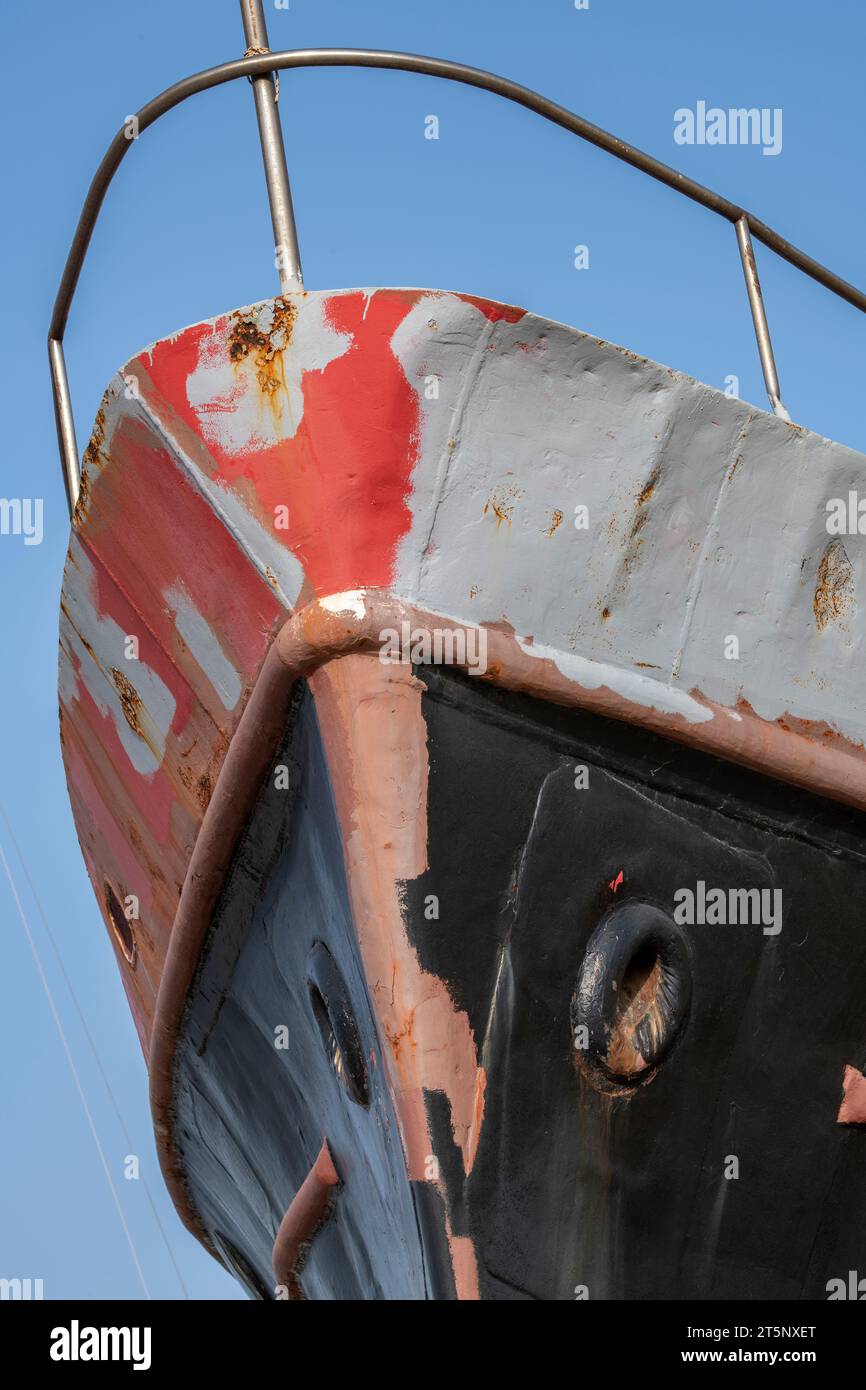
(72, 1068)
(83, 1021)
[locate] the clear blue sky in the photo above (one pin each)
(495, 207)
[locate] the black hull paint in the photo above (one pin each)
(579, 1188)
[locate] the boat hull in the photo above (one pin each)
(418, 655)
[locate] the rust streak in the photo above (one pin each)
(834, 589)
(265, 349)
(130, 701)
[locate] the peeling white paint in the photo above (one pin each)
(232, 410)
(98, 644)
(204, 647)
(631, 685)
(350, 602)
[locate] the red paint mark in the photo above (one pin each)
(345, 474)
(615, 882)
(496, 313)
(852, 1111)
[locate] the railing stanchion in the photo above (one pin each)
(759, 317)
(65, 422)
(286, 250)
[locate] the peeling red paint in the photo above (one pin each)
(357, 465)
(351, 456)
(852, 1111)
(496, 313)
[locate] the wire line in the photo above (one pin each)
(59, 1026)
(130, 1144)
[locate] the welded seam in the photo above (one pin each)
(209, 491)
(710, 532)
(447, 456)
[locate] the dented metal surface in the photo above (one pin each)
(320, 454)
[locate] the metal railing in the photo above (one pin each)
(259, 64)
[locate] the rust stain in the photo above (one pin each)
(555, 521)
(502, 502)
(649, 487)
(813, 730)
(637, 525)
(834, 589)
(734, 466)
(398, 1036)
(640, 515)
(91, 460)
(130, 701)
(200, 787)
(248, 340)
(83, 640)
(96, 443)
(633, 541)
(82, 502)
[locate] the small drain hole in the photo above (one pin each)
(328, 1036)
(120, 924)
(338, 1029)
(633, 996)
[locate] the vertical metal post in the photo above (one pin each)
(759, 317)
(288, 256)
(65, 422)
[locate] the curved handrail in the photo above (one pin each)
(308, 1212)
(259, 65)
